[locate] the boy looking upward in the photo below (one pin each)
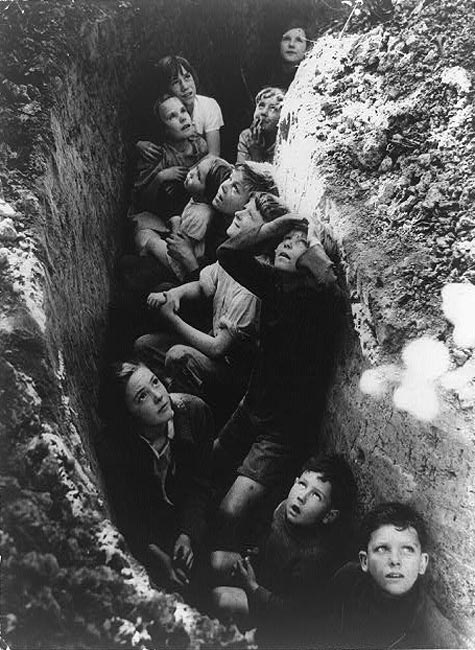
(382, 602)
(305, 546)
(275, 426)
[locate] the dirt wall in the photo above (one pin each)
(377, 145)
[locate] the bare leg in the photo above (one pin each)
(231, 602)
(222, 564)
(241, 497)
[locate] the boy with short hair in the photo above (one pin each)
(214, 365)
(274, 428)
(306, 544)
(382, 602)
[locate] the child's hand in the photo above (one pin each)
(183, 553)
(173, 174)
(181, 249)
(282, 225)
(174, 223)
(164, 567)
(168, 312)
(156, 300)
(148, 150)
(245, 575)
(174, 298)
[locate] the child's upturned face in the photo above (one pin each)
(147, 399)
(184, 87)
(309, 500)
(394, 559)
(289, 250)
(196, 178)
(176, 119)
(293, 45)
(232, 194)
(245, 219)
(268, 110)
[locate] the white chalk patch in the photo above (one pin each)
(417, 398)
(185, 615)
(425, 359)
(458, 77)
(458, 305)
(379, 381)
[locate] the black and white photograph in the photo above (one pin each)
(237, 324)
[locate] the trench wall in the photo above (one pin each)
(374, 127)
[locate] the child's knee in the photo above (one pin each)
(177, 356)
(142, 344)
(230, 601)
(222, 562)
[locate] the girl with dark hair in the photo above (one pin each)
(293, 47)
(176, 76)
(156, 459)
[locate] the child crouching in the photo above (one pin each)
(305, 546)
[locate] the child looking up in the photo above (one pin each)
(276, 424)
(158, 190)
(257, 143)
(381, 602)
(155, 458)
(202, 182)
(305, 546)
(214, 365)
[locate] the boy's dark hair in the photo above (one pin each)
(258, 176)
(393, 513)
(269, 206)
(168, 69)
(335, 469)
(219, 171)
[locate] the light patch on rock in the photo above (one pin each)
(29, 273)
(377, 382)
(186, 616)
(458, 77)
(458, 305)
(462, 382)
(6, 209)
(28, 388)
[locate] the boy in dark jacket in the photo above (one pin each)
(275, 426)
(306, 544)
(381, 602)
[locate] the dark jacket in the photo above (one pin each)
(297, 334)
(127, 462)
(293, 575)
(362, 616)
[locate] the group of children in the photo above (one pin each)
(217, 410)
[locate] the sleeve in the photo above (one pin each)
(192, 515)
(148, 185)
(214, 117)
(263, 602)
(243, 152)
(241, 318)
(237, 257)
(209, 279)
(196, 220)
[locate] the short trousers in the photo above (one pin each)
(258, 454)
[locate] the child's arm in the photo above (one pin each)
(213, 346)
(173, 297)
(260, 599)
(237, 255)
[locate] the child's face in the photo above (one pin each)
(394, 559)
(289, 250)
(309, 500)
(232, 194)
(147, 399)
(184, 87)
(268, 110)
(196, 178)
(176, 119)
(293, 45)
(245, 219)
